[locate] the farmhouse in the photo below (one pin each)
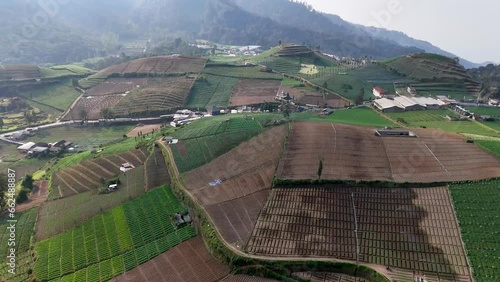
(388, 106)
(408, 103)
(126, 167)
(38, 151)
(378, 92)
(411, 90)
(494, 102)
(446, 100)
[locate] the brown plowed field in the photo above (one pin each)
(246, 278)
(305, 95)
(254, 91)
(411, 229)
(245, 170)
(93, 106)
(187, 262)
(354, 152)
(87, 175)
(163, 64)
(116, 86)
(236, 219)
(145, 129)
(327, 277)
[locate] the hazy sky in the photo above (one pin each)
(463, 27)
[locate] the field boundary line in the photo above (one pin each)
(436, 158)
(486, 127)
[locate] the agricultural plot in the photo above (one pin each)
(308, 96)
(490, 146)
(92, 81)
(214, 141)
(90, 107)
(117, 86)
(211, 90)
(247, 169)
(477, 208)
(349, 86)
(326, 277)
(156, 170)
(252, 91)
(59, 95)
(235, 219)
(19, 72)
(377, 74)
(89, 175)
(65, 71)
(437, 119)
(251, 72)
(160, 95)
(356, 153)
(24, 266)
(488, 111)
(190, 261)
(158, 65)
(246, 278)
(410, 229)
(114, 241)
(72, 211)
(25, 228)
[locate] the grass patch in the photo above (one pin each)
(488, 111)
(490, 146)
(59, 95)
(64, 71)
(357, 116)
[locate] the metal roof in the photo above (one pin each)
(385, 103)
(405, 101)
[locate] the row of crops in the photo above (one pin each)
(491, 146)
(211, 90)
(24, 230)
(477, 206)
(114, 241)
(241, 72)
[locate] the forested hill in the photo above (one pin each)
(82, 29)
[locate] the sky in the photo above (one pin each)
(463, 27)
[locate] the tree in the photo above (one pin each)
(361, 97)
(83, 114)
(107, 113)
(320, 169)
(75, 83)
(2, 123)
(22, 196)
(28, 182)
(3, 188)
(325, 85)
(346, 87)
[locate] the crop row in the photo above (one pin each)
(24, 230)
(211, 90)
(477, 206)
(240, 72)
(131, 227)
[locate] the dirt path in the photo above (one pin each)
(379, 268)
(37, 197)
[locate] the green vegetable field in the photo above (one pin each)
(114, 241)
(477, 206)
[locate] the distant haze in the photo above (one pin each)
(465, 28)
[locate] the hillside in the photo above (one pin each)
(434, 72)
(490, 76)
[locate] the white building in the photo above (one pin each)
(386, 105)
(429, 103)
(408, 104)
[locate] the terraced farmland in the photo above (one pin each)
(88, 175)
(211, 90)
(355, 153)
(117, 86)
(25, 228)
(215, 140)
(59, 95)
(19, 72)
(161, 95)
(490, 146)
(188, 262)
(251, 72)
(72, 211)
(156, 170)
(477, 207)
(252, 91)
(91, 107)
(114, 241)
(158, 65)
(409, 229)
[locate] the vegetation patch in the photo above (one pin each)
(477, 208)
(357, 116)
(115, 241)
(211, 90)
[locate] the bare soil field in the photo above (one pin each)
(92, 106)
(327, 277)
(156, 170)
(355, 153)
(87, 176)
(254, 91)
(145, 129)
(236, 219)
(37, 196)
(116, 86)
(244, 170)
(187, 262)
(411, 229)
(307, 96)
(163, 64)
